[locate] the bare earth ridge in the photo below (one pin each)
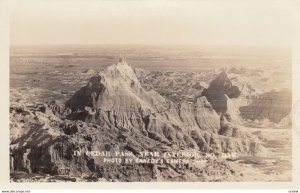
(115, 112)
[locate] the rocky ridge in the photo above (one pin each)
(113, 113)
(273, 106)
(237, 100)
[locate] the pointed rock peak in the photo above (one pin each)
(115, 85)
(219, 90)
(122, 70)
(221, 79)
(221, 85)
(223, 74)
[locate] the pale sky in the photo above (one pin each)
(196, 22)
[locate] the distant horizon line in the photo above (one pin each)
(161, 45)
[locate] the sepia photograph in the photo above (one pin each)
(150, 91)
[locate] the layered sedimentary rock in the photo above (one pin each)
(238, 101)
(273, 105)
(114, 113)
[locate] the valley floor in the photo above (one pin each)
(273, 165)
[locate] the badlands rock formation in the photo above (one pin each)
(274, 106)
(236, 99)
(114, 113)
(219, 90)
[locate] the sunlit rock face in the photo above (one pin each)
(114, 113)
